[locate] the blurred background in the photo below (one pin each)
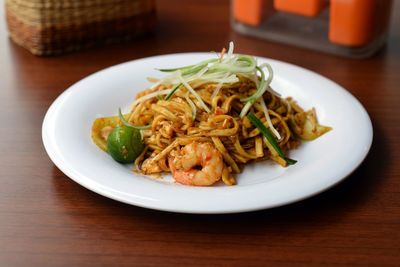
(352, 28)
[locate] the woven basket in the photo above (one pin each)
(51, 27)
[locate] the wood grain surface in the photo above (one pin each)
(46, 219)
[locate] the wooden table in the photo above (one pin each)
(46, 219)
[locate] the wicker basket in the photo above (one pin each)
(51, 27)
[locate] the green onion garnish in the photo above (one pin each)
(262, 87)
(186, 70)
(220, 71)
(127, 124)
(172, 92)
(270, 138)
(243, 64)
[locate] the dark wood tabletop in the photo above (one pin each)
(46, 219)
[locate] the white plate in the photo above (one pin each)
(321, 163)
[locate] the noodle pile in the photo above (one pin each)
(173, 124)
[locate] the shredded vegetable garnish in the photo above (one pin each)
(192, 68)
(223, 70)
(219, 85)
(266, 114)
(192, 106)
(173, 91)
(226, 69)
(198, 97)
(270, 138)
(230, 50)
(127, 124)
(262, 87)
(150, 96)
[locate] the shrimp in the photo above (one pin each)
(185, 164)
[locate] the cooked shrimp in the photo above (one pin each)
(185, 164)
